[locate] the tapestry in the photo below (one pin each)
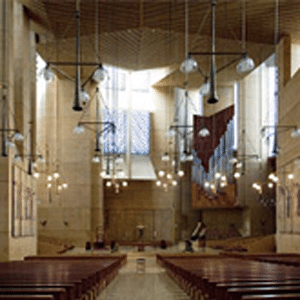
(23, 204)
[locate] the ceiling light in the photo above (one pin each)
(233, 160)
(121, 174)
(17, 158)
(295, 133)
(237, 175)
(49, 178)
(124, 183)
(108, 183)
(47, 73)
(169, 176)
(206, 184)
(96, 159)
(165, 157)
(100, 74)
(204, 88)
(203, 132)
(174, 182)
(270, 185)
(56, 175)
(271, 176)
(217, 175)
(246, 64)
(18, 136)
(84, 97)
(10, 144)
(223, 184)
(79, 129)
(41, 159)
(64, 185)
(161, 173)
(36, 175)
(180, 173)
(49, 185)
(239, 165)
(189, 65)
(290, 176)
(189, 157)
(158, 183)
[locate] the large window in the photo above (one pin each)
(123, 91)
(269, 93)
(138, 140)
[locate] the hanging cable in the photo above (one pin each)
(77, 106)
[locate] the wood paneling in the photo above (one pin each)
(141, 34)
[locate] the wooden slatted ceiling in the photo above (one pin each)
(139, 34)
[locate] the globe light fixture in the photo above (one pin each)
(18, 136)
(100, 74)
(79, 129)
(189, 65)
(246, 64)
(203, 132)
(47, 73)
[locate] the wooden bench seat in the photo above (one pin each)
(57, 293)
(272, 297)
(237, 293)
(79, 277)
(26, 297)
(217, 277)
(69, 287)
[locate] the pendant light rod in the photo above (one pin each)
(77, 106)
(244, 27)
(98, 132)
(4, 132)
(213, 98)
(186, 29)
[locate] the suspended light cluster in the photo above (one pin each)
(115, 181)
(55, 181)
(219, 182)
(168, 176)
(190, 65)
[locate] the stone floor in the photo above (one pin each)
(135, 283)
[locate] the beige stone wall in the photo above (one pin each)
(17, 83)
(73, 215)
(288, 214)
(166, 215)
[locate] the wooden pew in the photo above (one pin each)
(272, 297)
(69, 287)
(238, 293)
(26, 297)
(57, 293)
(203, 275)
(80, 276)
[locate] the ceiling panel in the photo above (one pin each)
(141, 34)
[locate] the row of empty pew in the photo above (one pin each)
(58, 277)
(221, 277)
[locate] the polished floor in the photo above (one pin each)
(138, 281)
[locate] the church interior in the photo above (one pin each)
(159, 129)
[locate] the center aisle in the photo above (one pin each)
(153, 284)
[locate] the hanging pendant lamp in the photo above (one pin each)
(76, 105)
(212, 95)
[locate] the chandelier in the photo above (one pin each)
(99, 74)
(190, 65)
(169, 174)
